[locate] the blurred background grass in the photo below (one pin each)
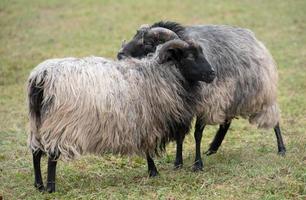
(246, 166)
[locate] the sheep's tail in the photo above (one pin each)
(35, 103)
(267, 118)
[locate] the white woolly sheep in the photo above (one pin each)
(95, 105)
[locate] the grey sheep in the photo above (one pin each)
(245, 84)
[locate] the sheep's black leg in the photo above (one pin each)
(151, 167)
(179, 152)
(51, 173)
(38, 182)
(214, 146)
(199, 127)
(280, 142)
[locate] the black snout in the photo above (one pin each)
(210, 76)
(121, 55)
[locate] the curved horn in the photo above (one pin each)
(163, 53)
(162, 34)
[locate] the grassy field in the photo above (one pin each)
(246, 166)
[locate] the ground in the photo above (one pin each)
(247, 165)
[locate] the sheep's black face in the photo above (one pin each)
(194, 66)
(145, 41)
(140, 46)
(189, 58)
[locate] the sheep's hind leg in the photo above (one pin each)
(151, 167)
(51, 172)
(214, 146)
(199, 127)
(38, 182)
(280, 142)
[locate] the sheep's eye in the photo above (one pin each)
(190, 57)
(148, 44)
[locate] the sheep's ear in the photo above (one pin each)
(143, 27)
(123, 44)
(171, 50)
(165, 56)
(170, 54)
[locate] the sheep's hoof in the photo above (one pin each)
(39, 186)
(210, 152)
(197, 166)
(282, 152)
(153, 173)
(50, 187)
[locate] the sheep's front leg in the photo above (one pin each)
(38, 182)
(151, 167)
(280, 142)
(179, 152)
(214, 146)
(199, 127)
(51, 173)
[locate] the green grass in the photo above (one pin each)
(246, 166)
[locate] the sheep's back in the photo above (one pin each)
(246, 81)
